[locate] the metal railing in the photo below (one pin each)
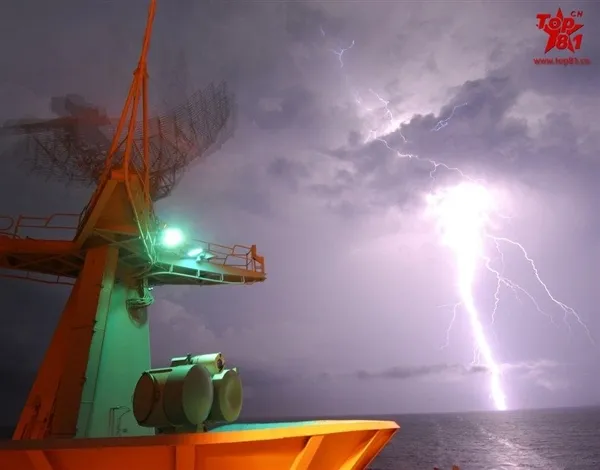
(13, 227)
(239, 256)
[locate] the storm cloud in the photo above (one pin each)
(415, 372)
(327, 173)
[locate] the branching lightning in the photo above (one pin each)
(340, 52)
(444, 122)
(463, 214)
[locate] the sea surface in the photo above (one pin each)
(558, 439)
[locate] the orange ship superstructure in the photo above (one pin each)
(96, 402)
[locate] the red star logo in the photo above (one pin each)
(560, 32)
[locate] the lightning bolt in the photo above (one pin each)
(340, 52)
(444, 122)
(463, 214)
(568, 312)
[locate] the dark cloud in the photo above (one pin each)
(294, 107)
(414, 372)
(482, 139)
(26, 331)
(288, 171)
(352, 265)
(305, 23)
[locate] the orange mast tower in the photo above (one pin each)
(96, 402)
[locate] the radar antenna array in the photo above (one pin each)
(73, 148)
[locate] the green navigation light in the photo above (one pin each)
(172, 237)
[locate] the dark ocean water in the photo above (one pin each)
(560, 439)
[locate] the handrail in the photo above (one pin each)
(34, 222)
(240, 256)
(28, 276)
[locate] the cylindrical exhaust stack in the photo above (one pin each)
(228, 396)
(188, 395)
(181, 398)
(147, 398)
(173, 397)
(214, 363)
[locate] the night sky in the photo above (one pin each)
(353, 316)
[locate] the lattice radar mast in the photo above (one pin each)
(99, 356)
(75, 147)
